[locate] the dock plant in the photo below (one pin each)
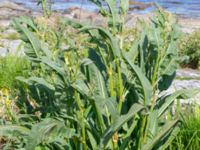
(100, 95)
(46, 7)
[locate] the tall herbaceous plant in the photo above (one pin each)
(102, 93)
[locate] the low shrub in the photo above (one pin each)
(190, 47)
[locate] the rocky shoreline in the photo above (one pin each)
(9, 10)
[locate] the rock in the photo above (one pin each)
(186, 25)
(188, 74)
(8, 10)
(189, 80)
(140, 5)
(132, 19)
(80, 13)
(10, 47)
(186, 84)
(11, 5)
(84, 15)
(189, 25)
(4, 23)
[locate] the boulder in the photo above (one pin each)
(11, 5)
(10, 47)
(84, 15)
(8, 10)
(135, 5)
(189, 25)
(186, 79)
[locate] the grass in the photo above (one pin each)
(11, 67)
(189, 136)
(10, 36)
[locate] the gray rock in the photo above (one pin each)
(193, 82)
(187, 84)
(11, 5)
(11, 47)
(188, 74)
(132, 19)
(85, 16)
(4, 23)
(8, 10)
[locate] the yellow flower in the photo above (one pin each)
(66, 57)
(7, 102)
(5, 92)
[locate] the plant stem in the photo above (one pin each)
(142, 132)
(100, 119)
(120, 88)
(111, 86)
(44, 7)
(154, 81)
(78, 100)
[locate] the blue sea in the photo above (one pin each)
(184, 8)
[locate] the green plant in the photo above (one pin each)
(46, 6)
(7, 104)
(11, 36)
(188, 138)
(103, 95)
(190, 47)
(10, 67)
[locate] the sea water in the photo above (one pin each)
(185, 8)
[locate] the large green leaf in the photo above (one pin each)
(165, 101)
(153, 124)
(73, 23)
(81, 87)
(170, 138)
(38, 82)
(92, 139)
(113, 11)
(48, 130)
(120, 121)
(133, 52)
(96, 80)
(13, 131)
(16, 22)
(106, 35)
(169, 65)
(124, 5)
(144, 82)
(107, 105)
(55, 66)
(166, 129)
(34, 50)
